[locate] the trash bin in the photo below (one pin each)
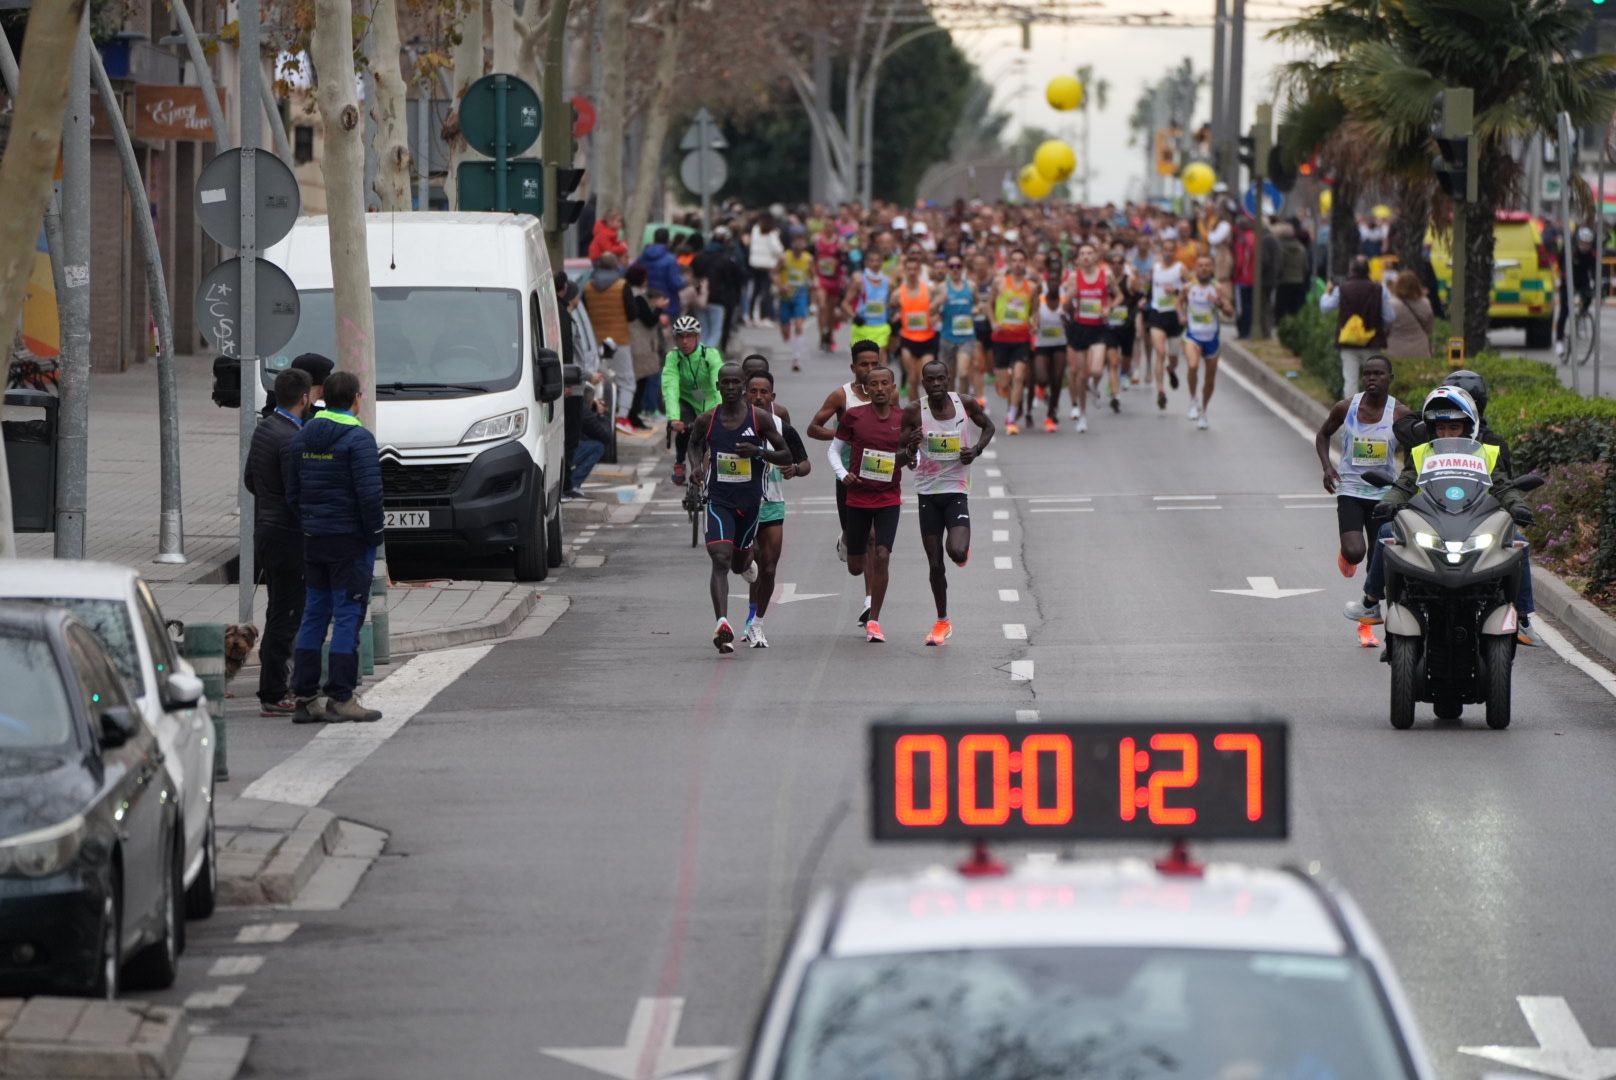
(31, 458)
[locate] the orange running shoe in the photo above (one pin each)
(1347, 569)
(1012, 428)
(941, 631)
(1366, 636)
(873, 634)
(1038, 392)
(1050, 425)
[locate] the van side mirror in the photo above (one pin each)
(117, 726)
(1379, 478)
(1529, 483)
(548, 373)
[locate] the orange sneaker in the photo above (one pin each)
(873, 634)
(1050, 425)
(1038, 392)
(941, 631)
(1347, 569)
(1012, 428)
(1366, 636)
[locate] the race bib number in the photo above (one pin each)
(827, 267)
(1090, 308)
(916, 320)
(1051, 334)
(875, 310)
(1162, 299)
(796, 277)
(732, 468)
(878, 466)
(1118, 316)
(1202, 320)
(1369, 453)
(941, 446)
(962, 326)
(1015, 311)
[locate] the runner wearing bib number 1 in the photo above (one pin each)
(1201, 304)
(872, 473)
(943, 478)
(734, 479)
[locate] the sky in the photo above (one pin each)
(1130, 59)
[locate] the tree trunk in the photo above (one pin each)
(343, 167)
(468, 68)
(649, 168)
(25, 172)
(609, 129)
(507, 43)
(1343, 227)
(1478, 255)
(530, 36)
(393, 161)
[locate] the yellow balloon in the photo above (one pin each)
(1054, 160)
(1382, 212)
(1326, 200)
(1198, 179)
(1033, 184)
(1064, 93)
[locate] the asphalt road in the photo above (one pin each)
(613, 811)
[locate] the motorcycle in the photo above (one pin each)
(1453, 569)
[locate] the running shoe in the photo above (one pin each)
(724, 637)
(1012, 428)
(1050, 425)
(1127, 382)
(1194, 412)
(286, 706)
(1161, 401)
(1366, 637)
(864, 616)
(678, 475)
(625, 425)
(941, 631)
(795, 366)
(873, 634)
(1347, 569)
(1172, 378)
(841, 549)
(750, 574)
(1116, 406)
(1038, 392)
(1201, 423)
(1082, 425)
(1077, 413)
(755, 636)
(1368, 614)
(1523, 633)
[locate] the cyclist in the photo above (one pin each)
(1581, 278)
(689, 385)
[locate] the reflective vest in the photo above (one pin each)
(1489, 454)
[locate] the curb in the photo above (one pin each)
(71, 1037)
(1554, 596)
(427, 640)
(294, 861)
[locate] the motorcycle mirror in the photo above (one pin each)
(1379, 478)
(1529, 483)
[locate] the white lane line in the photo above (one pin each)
(1080, 509)
(1027, 716)
(1571, 655)
(1021, 671)
(265, 933)
(1001, 536)
(1014, 631)
(1310, 506)
(994, 473)
(1273, 406)
(1309, 495)
(308, 776)
(1009, 596)
(990, 455)
(1059, 499)
(1001, 515)
(220, 997)
(1183, 498)
(996, 491)
(1189, 508)
(1001, 562)
(226, 966)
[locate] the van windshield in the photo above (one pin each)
(435, 342)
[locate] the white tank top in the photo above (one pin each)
(773, 482)
(1051, 331)
(1163, 278)
(939, 470)
(1202, 305)
(1365, 447)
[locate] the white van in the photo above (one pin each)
(468, 377)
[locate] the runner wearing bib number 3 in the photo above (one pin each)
(1201, 303)
(873, 435)
(734, 478)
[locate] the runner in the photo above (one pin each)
(793, 279)
(1166, 282)
(867, 304)
(982, 282)
(954, 304)
(830, 278)
(850, 395)
(1120, 337)
(1014, 296)
(917, 337)
(689, 385)
(1049, 347)
(772, 513)
(943, 479)
(1199, 306)
(734, 488)
(1368, 441)
(872, 475)
(1089, 293)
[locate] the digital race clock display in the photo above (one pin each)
(1079, 781)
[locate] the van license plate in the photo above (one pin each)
(408, 519)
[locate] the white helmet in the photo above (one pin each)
(1448, 403)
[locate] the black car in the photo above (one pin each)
(90, 856)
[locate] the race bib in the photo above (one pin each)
(827, 267)
(962, 326)
(1369, 453)
(878, 465)
(1202, 320)
(1051, 334)
(1118, 316)
(875, 309)
(1162, 300)
(732, 468)
(1090, 308)
(796, 276)
(942, 446)
(1015, 310)
(916, 320)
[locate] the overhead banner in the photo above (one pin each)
(164, 113)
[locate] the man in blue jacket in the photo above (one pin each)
(662, 270)
(334, 478)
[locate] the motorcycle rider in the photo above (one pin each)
(1448, 413)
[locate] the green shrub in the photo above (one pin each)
(1310, 334)
(1548, 428)
(1568, 507)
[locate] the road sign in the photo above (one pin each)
(703, 131)
(1551, 187)
(524, 186)
(218, 305)
(481, 116)
(703, 172)
(1273, 199)
(584, 120)
(275, 198)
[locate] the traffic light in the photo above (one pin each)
(1284, 178)
(1452, 127)
(564, 183)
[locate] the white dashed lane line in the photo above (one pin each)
(1009, 596)
(1014, 631)
(1001, 536)
(1002, 562)
(265, 933)
(226, 967)
(1001, 515)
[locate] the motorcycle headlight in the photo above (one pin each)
(1479, 542)
(1428, 541)
(511, 425)
(1455, 550)
(44, 851)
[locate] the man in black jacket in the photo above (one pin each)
(277, 537)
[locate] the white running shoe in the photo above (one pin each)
(1082, 424)
(750, 574)
(1194, 413)
(841, 549)
(1201, 423)
(1559, 348)
(1077, 413)
(1127, 383)
(755, 636)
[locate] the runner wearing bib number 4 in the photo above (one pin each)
(943, 478)
(872, 474)
(1201, 303)
(734, 479)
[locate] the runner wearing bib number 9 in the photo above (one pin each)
(729, 436)
(875, 464)
(1201, 304)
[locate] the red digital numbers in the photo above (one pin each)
(1152, 797)
(997, 812)
(1036, 753)
(1058, 747)
(935, 747)
(1251, 746)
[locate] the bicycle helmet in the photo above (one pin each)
(686, 324)
(1448, 403)
(1474, 385)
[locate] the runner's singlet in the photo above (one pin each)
(1051, 330)
(1365, 447)
(1012, 311)
(733, 480)
(939, 470)
(1201, 304)
(873, 304)
(1089, 298)
(959, 307)
(915, 312)
(1163, 279)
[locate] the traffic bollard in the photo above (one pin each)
(378, 611)
(367, 650)
(204, 648)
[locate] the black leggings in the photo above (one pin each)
(762, 293)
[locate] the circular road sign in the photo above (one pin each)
(524, 116)
(218, 307)
(693, 173)
(218, 198)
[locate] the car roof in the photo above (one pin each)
(33, 578)
(33, 619)
(1090, 903)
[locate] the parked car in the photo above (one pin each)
(115, 602)
(90, 850)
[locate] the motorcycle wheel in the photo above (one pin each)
(1404, 655)
(1448, 708)
(1498, 653)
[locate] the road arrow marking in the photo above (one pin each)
(1267, 589)
(649, 1051)
(1563, 1050)
(790, 595)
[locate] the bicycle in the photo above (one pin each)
(1585, 329)
(695, 504)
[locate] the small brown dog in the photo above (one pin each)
(239, 639)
